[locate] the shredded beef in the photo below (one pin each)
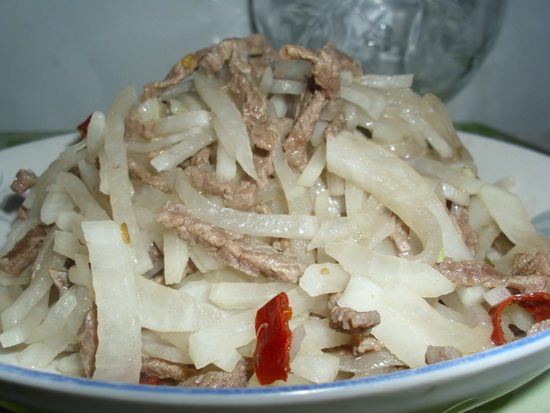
(87, 337)
(337, 125)
(459, 215)
(241, 252)
(529, 263)
(221, 379)
(210, 59)
(295, 145)
(346, 62)
(163, 369)
(436, 354)
(138, 171)
(470, 273)
(348, 320)
(24, 251)
(401, 240)
(135, 126)
(366, 345)
(24, 179)
(237, 194)
(60, 280)
(325, 68)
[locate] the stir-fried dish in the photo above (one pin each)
(263, 217)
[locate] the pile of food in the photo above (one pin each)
(261, 217)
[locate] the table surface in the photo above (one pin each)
(533, 396)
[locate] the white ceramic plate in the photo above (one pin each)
(452, 386)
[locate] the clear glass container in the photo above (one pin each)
(440, 41)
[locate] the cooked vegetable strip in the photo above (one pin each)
(228, 123)
(262, 225)
(118, 356)
(401, 189)
(118, 177)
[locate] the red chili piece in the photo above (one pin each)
(273, 337)
(83, 127)
(537, 303)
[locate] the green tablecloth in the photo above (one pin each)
(532, 397)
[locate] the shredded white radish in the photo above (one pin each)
(228, 123)
(271, 225)
(118, 355)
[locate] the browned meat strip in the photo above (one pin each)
(529, 283)
(221, 379)
(367, 344)
(337, 125)
(529, 263)
(60, 280)
(435, 354)
(134, 126)
(401, 240)
(138, 171)
(295, 145)
(87, 337)
(459, 215)
(350, 321)
(239, 251)
(346, 62)
(24, 251)
(470, 273)
(210, 59)
(162, 369)
(237, 194)
(325, 68)
(24, 179)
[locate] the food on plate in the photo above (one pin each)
(266, 217)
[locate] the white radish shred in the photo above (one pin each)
(118, 355)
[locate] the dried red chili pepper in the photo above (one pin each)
(537, 303)
(271, 358)
(83, 127)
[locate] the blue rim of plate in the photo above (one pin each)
(479, 361)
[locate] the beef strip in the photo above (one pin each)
(163, 369)
(60, 280)
(241, 252)
(237, 194)
(401, 240)
(346, 62)
(529, 263)
(211, 59)
(295, 145)
(24, 251)
(349, 321)
(459, 215)
(469, 273)
(436, 354)
(263, 129)
(87, 337)
(325, 68)
(139, 172)
(134, 126)
(24, 179)
(366, 345)
(221, 379)
(337, 125)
